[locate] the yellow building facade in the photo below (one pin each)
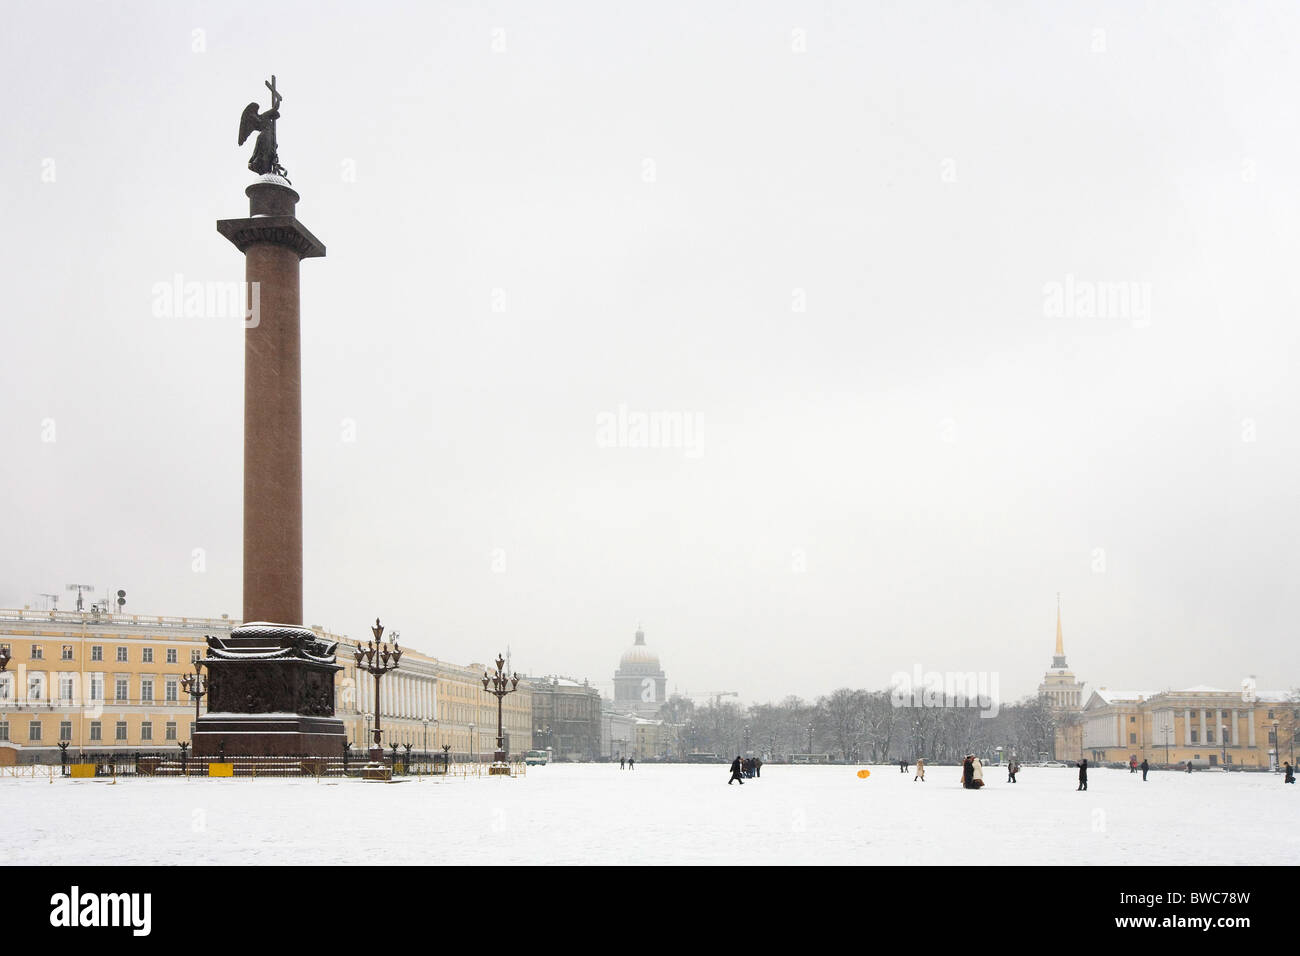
(103, 682)
(1207, 726)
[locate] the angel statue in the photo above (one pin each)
(265, 160)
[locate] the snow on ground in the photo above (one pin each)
(659, 814)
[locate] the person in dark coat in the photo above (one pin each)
(631, 763)
(622, 763)
(758, 766)
(1290, 772)
(735, 772)
(1013, 768)
(1083, 774)
(968, 773)
(1189, 766)
(1145, 768)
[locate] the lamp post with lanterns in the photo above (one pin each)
(377, 659)
(195, 685)
(499, 685)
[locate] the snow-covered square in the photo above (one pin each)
(659, 814)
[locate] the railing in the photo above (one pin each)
(104, 617)
(174, 764)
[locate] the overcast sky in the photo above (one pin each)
(850, 245)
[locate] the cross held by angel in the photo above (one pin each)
(265, 158)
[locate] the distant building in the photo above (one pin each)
(566, 718)
(112, 682)
(639, 683)
(617, 733)
(1208, 726)
(1064, 695)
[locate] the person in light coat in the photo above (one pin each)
(978, 769)
(920, 770)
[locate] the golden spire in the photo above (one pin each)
(1060, 644)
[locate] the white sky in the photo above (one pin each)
(943, 454)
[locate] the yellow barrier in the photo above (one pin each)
(83, 769)
(221, 770)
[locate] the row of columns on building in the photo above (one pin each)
(1228, 718)
(400, 695)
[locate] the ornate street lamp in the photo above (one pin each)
(377, 659)
(196, 686)
(499, 685)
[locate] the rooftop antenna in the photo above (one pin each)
(80, 589)
(50, 599)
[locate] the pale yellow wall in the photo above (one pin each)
(455, 695)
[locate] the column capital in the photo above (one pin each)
(278, 230)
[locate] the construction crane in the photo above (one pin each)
(714, 695)
(50, 599)
(80, 589)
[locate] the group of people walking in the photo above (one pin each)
(626, 763)
(745, 767)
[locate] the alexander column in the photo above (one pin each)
(271, 683)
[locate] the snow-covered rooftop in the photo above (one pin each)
(1110, 696)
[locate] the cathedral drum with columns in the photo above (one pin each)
(639, 683)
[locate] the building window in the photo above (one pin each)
(4, 730)
(34, 731)
(194, 657)
(121, 730)
(34, 688)
(1132, 720)
(65, 688)
(171, 730)
(146, 730)
(1270, 715)
(1196, 736)
(1209, 735)
(1132, 738)
(97, 652)
(96, 731)
(121, 655)
(96, 686)
(146, 655)
(121, 689)
(65, 730)
(171, 690)
(4, 686)
(172, 656)
(67, 652)
(146, 690)
(38, 654)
